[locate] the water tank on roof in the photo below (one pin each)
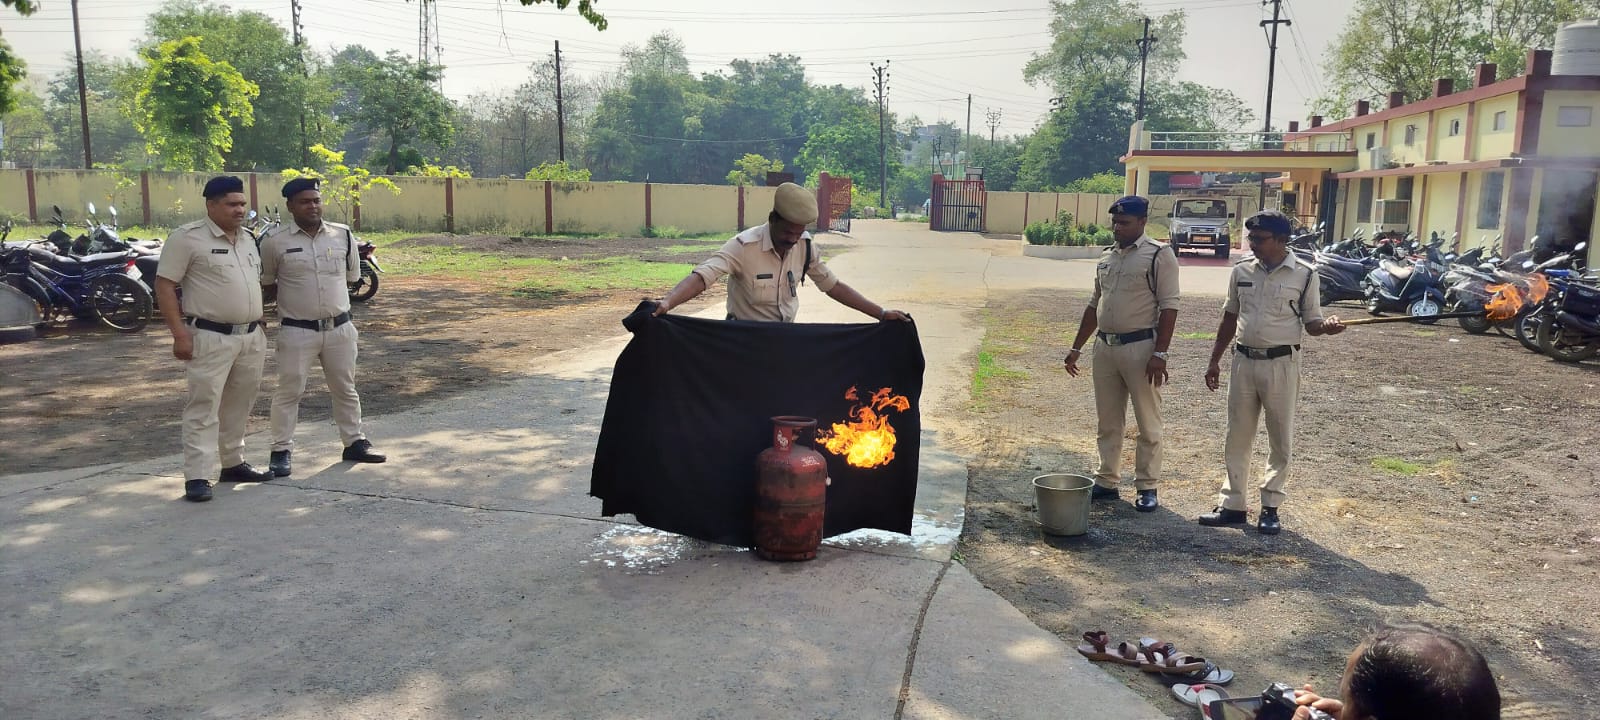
(1577, 50)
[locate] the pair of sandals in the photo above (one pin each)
(1154, 656)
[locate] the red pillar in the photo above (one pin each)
(449, 204)
(647, 206)
(741, 209)
(549, 210)
(33, 199)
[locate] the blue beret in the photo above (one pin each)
(219, 186)
(299, 185)
(1271, 221)
(1131, 205)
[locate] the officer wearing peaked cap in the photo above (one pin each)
(217, 333)
(1271, 298)
(309, 264)
(1132, 312)
(765, 266)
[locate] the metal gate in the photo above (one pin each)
(833, 203)
(959, 205)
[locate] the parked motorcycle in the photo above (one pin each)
(1409, 286)
(1570, 330)
(363, 289)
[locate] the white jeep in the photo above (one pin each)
(1201, 223)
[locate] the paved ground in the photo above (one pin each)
(472, 576)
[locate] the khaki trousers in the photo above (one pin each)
(1255, 386)
(336, 349)
(224, 376)
(1118, 377)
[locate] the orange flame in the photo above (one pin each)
(867, 440)
(1538, 287)
(1506, 303)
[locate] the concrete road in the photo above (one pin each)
(472, 577)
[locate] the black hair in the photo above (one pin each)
(773, 217)
(1414, 670)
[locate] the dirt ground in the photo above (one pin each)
(84, 395)
(1490, 532)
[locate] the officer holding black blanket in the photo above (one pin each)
(767, 264)
(1271, 297)
(217, 334)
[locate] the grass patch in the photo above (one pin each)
(551, 279)
(38, 232)
(913, 219)
(1426, 333)
(990, 373)
(1396, 465)
(1198, 335)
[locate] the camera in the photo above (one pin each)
(1277, 703)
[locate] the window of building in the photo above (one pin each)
(1574, 116)
(1364, 200)
(1493, 191)
(1455, 128)
(1402, 188)
(1499, 121)
(1411, 134)
(1372, 140)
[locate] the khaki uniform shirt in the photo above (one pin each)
(764, 286)
(221, 281)
(1123, 299)
(312, 272)
(1273, 306)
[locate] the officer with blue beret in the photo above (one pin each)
(1132, 312)
(1272, 297)
(217, 333)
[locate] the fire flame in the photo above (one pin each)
(1538, 287)
(867, 439)
(1508, 299)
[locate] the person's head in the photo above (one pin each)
(1268, 235)
(225, 202)
(793, 209)
(1417, 671)
(304, 201)
(1128, 217)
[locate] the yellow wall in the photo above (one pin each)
(14, 195)
(694, 208)
(1359, 140)
(1415, 153)
(598, 207)
(485, 205)
(1446, 147)
(71, 189)
(1443, 198)
(1004, 212)
(175, 198)
(1490, 143)
(419, 206)
(1570, 141)
(757, 204)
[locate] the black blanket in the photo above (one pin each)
(690, 408)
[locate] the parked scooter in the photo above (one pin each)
(1410, 286)
(363, 289)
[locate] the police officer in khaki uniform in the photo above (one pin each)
(310, 264)
(217, 333)
(1270, 298)
(766, 265)
(1134, 308)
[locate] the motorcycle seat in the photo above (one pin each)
(1397, 270)
(95, 260)
(1345, 264)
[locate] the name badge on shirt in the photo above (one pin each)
(1245, 283)
(222, 251)
(764, 276)
(290, 250)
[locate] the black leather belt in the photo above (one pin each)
(1127, 338)
(324, 324)
(1266, 353)
(224, 328)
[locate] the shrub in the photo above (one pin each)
(668, 232)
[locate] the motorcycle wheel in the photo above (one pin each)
(1477, 325)
(120, 302)
(1527, 330)
(1566, 346)
(1424, 308)
(363, 289)
(1374, 304)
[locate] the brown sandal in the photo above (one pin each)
(1096, 649)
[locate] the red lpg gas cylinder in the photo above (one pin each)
(791, 492)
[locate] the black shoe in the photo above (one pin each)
(1220, 516)
(244, 473)
(361, 451)
(1101, 492)
(197, 490)
(279, 464)
(1147, 501)
(1268, 523)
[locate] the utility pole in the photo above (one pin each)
(938, 141)
(83, 89)
(1144, 58)
(300, 55)
(561, 116)
(880, 84)
(993, 117)
(968, 143)
(1272, 68)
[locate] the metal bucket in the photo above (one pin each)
(1063, 503)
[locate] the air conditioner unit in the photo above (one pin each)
(1378, 158)
(1391, 214)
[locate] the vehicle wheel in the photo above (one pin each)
(120, 302)
(1424, 308)
(1565, 345)
(1527, 330)
(1223, 252)
(1477, 324)
(363, 289)
(1373, 304)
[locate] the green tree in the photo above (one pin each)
(396, 97)
(184, 105)
(557, 171)
(1106, 183)
(1000, 160)
(342, 185)
(752, 167)
(12, 72)
(28, 135)
(112, 84)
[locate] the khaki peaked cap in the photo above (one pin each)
(795, 204)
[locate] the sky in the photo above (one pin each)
(939, 51)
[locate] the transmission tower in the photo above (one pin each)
(993, 117)
(430, 46)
